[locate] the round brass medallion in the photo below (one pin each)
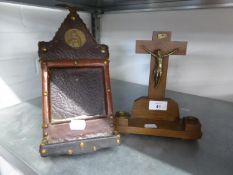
(75, 38)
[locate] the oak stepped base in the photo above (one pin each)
(188, 128)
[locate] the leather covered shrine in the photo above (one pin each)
(76, 93)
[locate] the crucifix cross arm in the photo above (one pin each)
(172, 52)
(160, 48)
(150, 52)
(159, 54)
(158, 69)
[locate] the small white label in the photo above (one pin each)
(150, 125)
(77, 124)
(158, 105)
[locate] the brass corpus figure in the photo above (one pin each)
(158, 70)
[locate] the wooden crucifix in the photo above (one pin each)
(160, 48)
(156, 115)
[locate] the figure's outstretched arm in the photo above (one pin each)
(172, 52)
(147, 50)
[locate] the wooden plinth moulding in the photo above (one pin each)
(156, 115)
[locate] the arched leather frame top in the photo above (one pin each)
(58, 49)
(58, 54)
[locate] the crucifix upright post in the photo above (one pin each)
(161, 41)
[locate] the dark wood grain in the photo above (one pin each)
(166, 45)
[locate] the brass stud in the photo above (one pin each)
(81, 145)
(118, 141)
(106, 62)
(44, 49)
(70, 152)
(94, 148)
(45, 125)
(45, 140)
(111, 117)
(45, 93)
(73, 18)
(109, 90)
(45, 134)
(103, 50)
(76, 62)
(43, 151)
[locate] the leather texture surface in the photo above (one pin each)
(73, 147)
(57, 49)
(77, 93)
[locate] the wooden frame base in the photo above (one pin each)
(188, 128)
